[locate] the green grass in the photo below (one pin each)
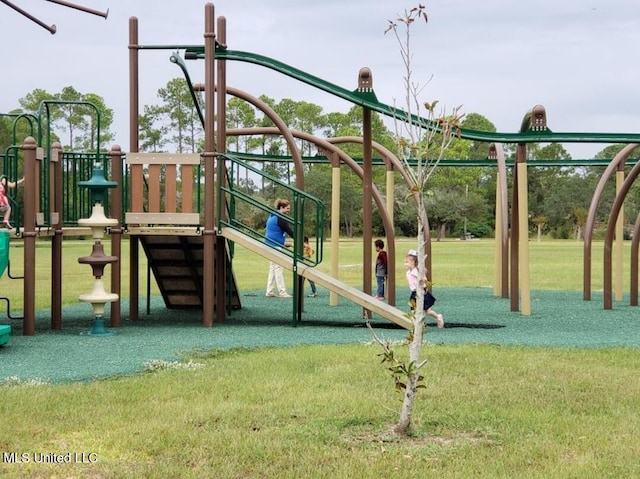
(555, 265)
(326, 411)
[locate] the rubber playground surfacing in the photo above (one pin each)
(472, 315)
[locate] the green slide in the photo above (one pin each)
(5, 331)
(4, 251)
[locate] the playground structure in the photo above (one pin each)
(189, 243)
(533, 129)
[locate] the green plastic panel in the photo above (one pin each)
(4, 251)
(5, 334)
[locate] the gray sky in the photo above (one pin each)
(498, 58)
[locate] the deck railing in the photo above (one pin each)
(165, 189)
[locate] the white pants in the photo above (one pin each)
(276, 278)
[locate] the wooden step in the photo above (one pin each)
(177, 265)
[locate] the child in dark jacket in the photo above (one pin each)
(381, 268)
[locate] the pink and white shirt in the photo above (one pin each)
(412, 278)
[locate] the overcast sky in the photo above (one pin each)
(498, 58)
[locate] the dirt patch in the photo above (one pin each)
(389, 438)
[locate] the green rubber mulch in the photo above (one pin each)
(558, 319)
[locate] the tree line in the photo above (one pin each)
(459, 199)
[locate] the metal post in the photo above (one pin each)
(29, 236)
(514, 295)
(115, 158)
(134, 145)
(222, 283)
(56, 242)
(208, 273)
(367, 223)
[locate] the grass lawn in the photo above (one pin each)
(326, 411)
(554, 265)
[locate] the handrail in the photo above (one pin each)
(44, 104)
(28, 116)
(368, 100)
(17, 117)
(177, 59)
(230, 194)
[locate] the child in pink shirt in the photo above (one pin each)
(5, 206)
(411, 263)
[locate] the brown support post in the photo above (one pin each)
(134, 257)
(367, 210)
(514, 295)
(365, 83)
(56, 241)
(29, 236)
(208, 285)
(221, 273)
(115, 158)
(221, 276)
(134, 71)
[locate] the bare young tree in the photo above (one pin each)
(421, 142)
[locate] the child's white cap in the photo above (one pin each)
(412, 252)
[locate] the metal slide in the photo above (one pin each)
(326, 281)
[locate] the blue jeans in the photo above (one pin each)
(380, 280)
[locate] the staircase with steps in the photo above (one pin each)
(176, 263)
